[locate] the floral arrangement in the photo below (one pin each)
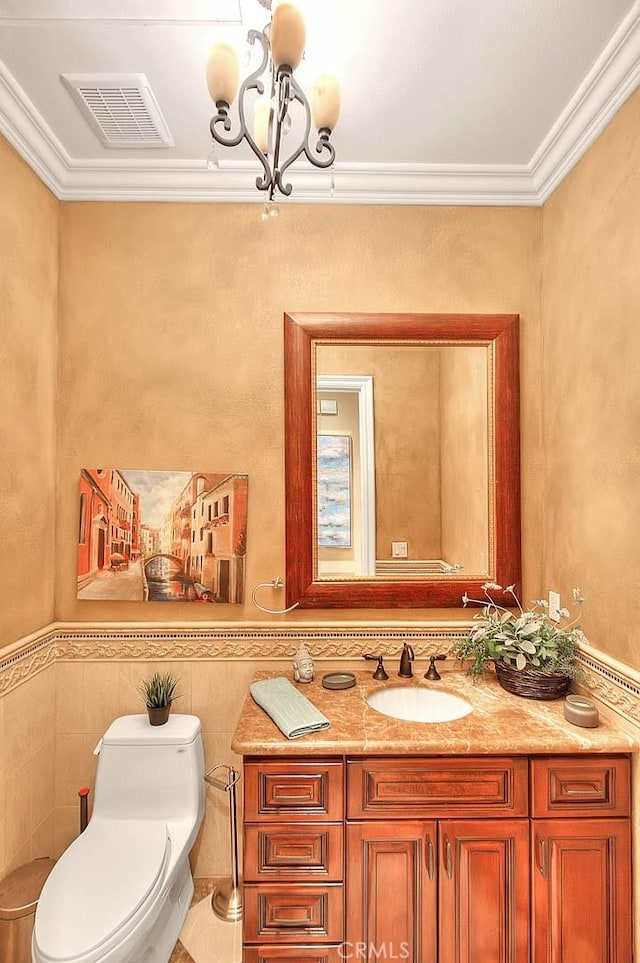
(527, 639)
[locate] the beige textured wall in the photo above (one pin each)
(28, 320)
(591, 386)
(406, 439)
(171, 351)
(465, 463)
(407, 451)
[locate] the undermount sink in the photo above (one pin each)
(419, 704)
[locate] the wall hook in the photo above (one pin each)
(276, 583)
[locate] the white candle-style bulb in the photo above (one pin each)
(261, 123)
(288, 35)
(223, 73)
(325, 101)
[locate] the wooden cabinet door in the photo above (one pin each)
(581, 891)
(391, 906)
(484, 891)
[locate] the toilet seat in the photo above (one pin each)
(100, 888)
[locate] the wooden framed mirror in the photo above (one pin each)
(402, 458)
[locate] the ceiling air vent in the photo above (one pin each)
(121, 108)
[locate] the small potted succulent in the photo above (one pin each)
(158, 693)
(533, 656)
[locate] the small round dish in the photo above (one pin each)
(582, 711)
(338, 680)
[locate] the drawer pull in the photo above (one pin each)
(448, 862)
(583, 789)
(541, 847)
(431, 867)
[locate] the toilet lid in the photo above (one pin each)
(98, 884)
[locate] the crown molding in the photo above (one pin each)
(612, 79)
(234, 182)
(28, 132)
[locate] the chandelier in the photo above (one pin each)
(282, 42)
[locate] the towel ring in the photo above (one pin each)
(276, 583)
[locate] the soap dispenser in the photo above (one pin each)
(303, 670)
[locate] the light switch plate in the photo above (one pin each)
(399, 549)
(554, 606)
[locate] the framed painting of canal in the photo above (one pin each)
(162, 536)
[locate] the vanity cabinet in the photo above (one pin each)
(293, 860)
(581, 860)
(451, 890)
(455, 891)
(448, 860)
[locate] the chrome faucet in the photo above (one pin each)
(407, 657)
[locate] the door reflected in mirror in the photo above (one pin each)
(403, 466)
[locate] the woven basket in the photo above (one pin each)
(531, 684)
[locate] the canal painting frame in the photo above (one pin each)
(168, 536)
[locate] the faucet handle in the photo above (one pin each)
(380, 673)
(432, 673)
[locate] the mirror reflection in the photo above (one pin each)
(428, 479)
(403, 460)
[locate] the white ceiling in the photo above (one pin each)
(444, 101)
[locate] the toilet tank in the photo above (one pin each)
(151, 772)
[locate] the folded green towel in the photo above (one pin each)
(293, 714)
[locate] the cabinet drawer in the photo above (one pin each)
(293, 913)
(293, 954)
(308, 852)
(580, 786)
(295, 789)
(407, 788)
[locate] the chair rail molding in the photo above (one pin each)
(612, 682)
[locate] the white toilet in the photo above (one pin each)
(121, 891)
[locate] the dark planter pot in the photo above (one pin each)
(160, 715)
(531, 684)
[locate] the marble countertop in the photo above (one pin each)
(500, 723)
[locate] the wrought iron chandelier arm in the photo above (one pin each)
(262, 183)
(222, 117)
(252, 82)
(323, 145)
